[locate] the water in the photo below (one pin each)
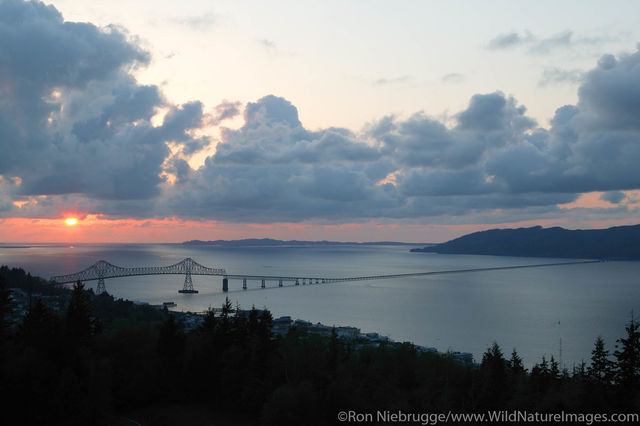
(531, 309)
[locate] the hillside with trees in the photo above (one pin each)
(67, 368)
(617, 243)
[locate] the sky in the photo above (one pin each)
(417, 121)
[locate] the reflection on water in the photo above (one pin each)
(530, 309)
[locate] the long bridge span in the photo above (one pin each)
(102, 270)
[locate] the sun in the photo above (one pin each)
(70, 221)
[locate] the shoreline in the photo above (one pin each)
(349, 334)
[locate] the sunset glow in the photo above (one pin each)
(71, 221)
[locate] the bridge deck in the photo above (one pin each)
(102, 270)
(391, 276)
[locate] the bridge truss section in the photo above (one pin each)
(102, 270)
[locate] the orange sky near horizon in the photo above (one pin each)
(97, 229)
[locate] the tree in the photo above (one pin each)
(39, 326)
(580, 371)
(208, 326)
(334, 351)
(515, 364)
(171, 341)
(542, 369)
(81, 326)
(264, 327)
(252, 323)
(5, 308)
(601, 368)
(554, 370)
(492, 377)
(628, 357)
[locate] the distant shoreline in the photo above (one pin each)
(268, 242)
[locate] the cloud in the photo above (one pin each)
(267, 44)
(452, 78)
(224, 111)
(273, 169)
(508, 40)
(73, 120)
(202, 22)
(544, 45)
(556, 76)
(389, 81)
(614, 197)
(494, 158)
(78, 130)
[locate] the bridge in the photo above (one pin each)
(102, 270)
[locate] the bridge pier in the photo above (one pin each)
(244, 283)
(280, 283)
(225, 284)
(297, 281)
(188, 284)
(100, 288)
(262, 285)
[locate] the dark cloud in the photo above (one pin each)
(271, 110)
(273, 169)
(615, 197)
(77, 129)
(224, 111)
(72, 118)
(273, 134)
(493, 159)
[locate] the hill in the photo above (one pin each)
(268, 242)
(620, 243)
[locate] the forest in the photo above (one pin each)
(101, 360)
(616, 243)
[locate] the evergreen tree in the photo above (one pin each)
(80, 324)
(554, 370)
(209, 324)
(334, 344)
(515, 364)
(252, 323)
(492, 378)
(544, 367)
(580, 371)
(171, 341)
(265, 325)
(225, 316)
(5, 309)
(38, 326)
(628, 357)
(601, 368)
